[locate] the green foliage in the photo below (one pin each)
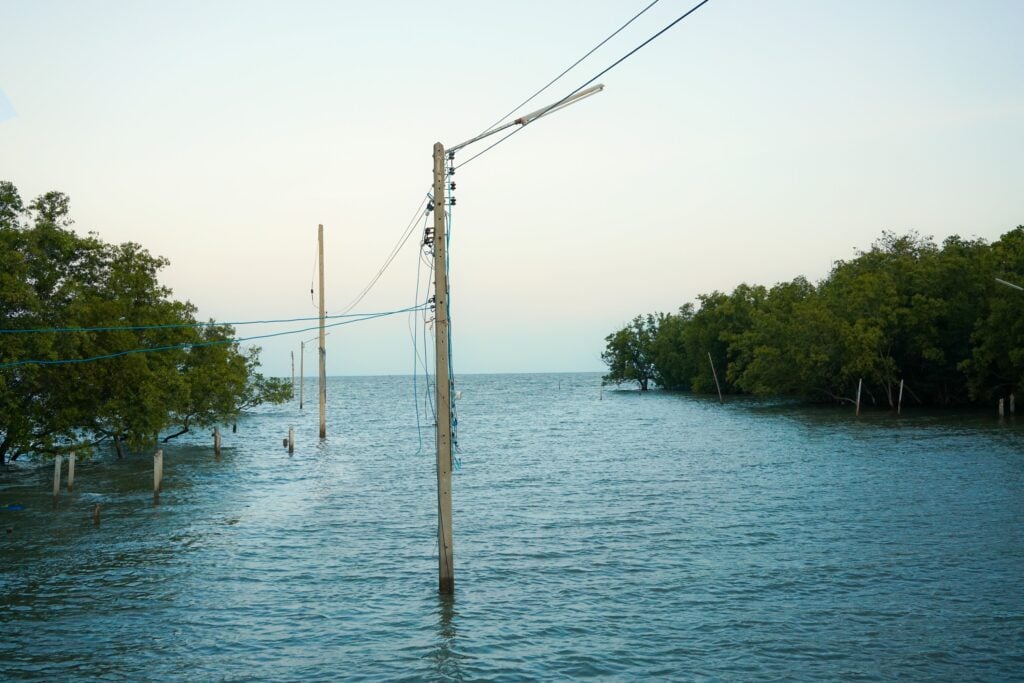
(904, 310)
(50, 277)
(628, 352)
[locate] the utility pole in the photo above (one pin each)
(442, 339)
(302, 372)
(323, 342)
(293, 371)
(445, 553)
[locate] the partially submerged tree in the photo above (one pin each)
(55, 280)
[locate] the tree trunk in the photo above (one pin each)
(183, 430)
(643, 384)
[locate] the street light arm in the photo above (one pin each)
(532, 116)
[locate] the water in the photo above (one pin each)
(634, 536)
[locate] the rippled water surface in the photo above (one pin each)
(606, 534)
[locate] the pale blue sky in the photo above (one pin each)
(754, 142)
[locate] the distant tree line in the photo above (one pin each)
(905, 309)
(51, 277)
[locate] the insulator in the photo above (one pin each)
(451, 170)
(451, 186)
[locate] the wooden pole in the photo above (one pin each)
(899, 403)
(445, 552)
(158, 474)
(293, 371)
(302, 372)
(216, 441)
(323, 341)
(71, 471)
(1012, 406)
(291, 440)
(56, 476)
(715, 375)
(860, 382)
(1001, 408)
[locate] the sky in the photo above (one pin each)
(753, 142)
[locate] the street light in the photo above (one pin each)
(302, 374)
(442, 339)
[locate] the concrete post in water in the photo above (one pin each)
(1001, 408)
(71, 471)
(860, 383)
(158, 474)
(899, 402)
(216, 441)
(56, 475)
(442, 384)
(291, 440)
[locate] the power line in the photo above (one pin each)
(170, 326)
(234, 340)
(574, 65)
(406, 233)
(602, 73)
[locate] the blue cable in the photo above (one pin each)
(234, 340)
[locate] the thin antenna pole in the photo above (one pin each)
(323, 341)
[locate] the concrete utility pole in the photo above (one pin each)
(445, 552)
(442, 339)
(323, 342)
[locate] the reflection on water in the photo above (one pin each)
(597, 535)
(447, 660)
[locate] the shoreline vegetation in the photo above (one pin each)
(933, 318)
(56, 289)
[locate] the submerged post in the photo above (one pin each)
(56, 476)
(216, 441)
(1012, 406)
(860, 382)
(445, 552)
(1001, 413)
(158, 474)
(302, 371)
(291, 440)
(899, 402)
(71, 471)
(715, 375)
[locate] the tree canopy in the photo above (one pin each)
(57, 281)
(906, 309)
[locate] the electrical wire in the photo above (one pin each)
(172, 347)
(171, 326)
(406, 233)
(574, 65)
(588, 83)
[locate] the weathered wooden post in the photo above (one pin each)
(158, 474)
(899, 402)
(1001, 408)
(291, 440)
(715, 375)
(71, 471)
(1012, 406)
(216, 441)
(56, 476)
(860, 382)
